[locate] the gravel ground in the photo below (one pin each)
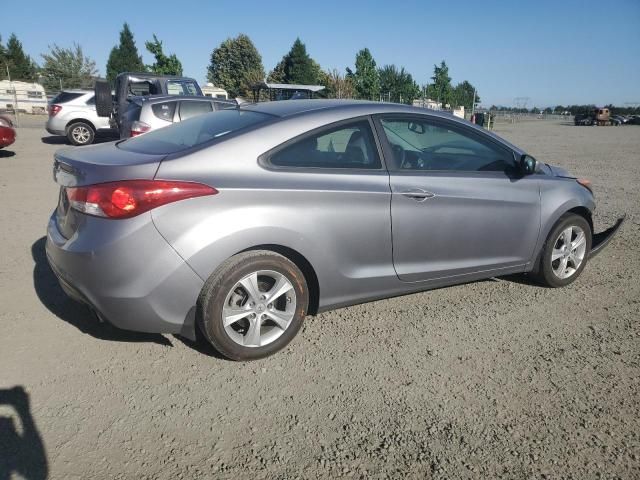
(494, 379)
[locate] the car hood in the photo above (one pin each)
(558, 171)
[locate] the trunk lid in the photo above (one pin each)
(102, 163)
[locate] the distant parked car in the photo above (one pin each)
(144, 114)
(7, 133)
(72, 113)
(129, 85)
(240, 222)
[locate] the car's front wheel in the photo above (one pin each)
(565, 252)
(253, 305)
(80, 133)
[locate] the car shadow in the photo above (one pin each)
(7, 154)
(22, 451)
(80, 316)
(522, 279)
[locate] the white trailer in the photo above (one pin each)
(22, 97)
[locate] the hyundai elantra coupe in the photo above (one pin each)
(242, 221)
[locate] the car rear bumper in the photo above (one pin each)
(602, 239)
(128, 274)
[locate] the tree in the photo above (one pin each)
(67, 68)
(365, 79)
(296, 67)
(397, 85)
(337, 85)
(21, 66)
(124, 57)
(236, 65)
(441, 90)
(463, 94)
(164, 65)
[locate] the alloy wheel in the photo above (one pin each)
(568, 252)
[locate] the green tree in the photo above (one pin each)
(236, 65)
(21, 66)
(296, 67)
(365, 78)
(67, 68)
(299, 67)
(125, 56)
(397, 85)
(337, 85)
(463, 95)
(164, 65)
(441, 90)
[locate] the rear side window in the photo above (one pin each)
(164, 111)
(64, 97)
(91, 100)
(190, 109)
(182, 87)
(194, 132)
(346, 146)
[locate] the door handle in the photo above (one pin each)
(418, 194)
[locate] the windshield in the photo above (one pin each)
(193, 132)
(182, 87)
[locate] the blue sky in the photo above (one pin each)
(554, 52)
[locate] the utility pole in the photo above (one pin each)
(473, 105)
(15, 96)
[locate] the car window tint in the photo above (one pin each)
(190, 109)
(347, 146)
(421, 145)
(63, 97)
(193, 132)
(164, 111)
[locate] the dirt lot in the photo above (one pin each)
(495, 379)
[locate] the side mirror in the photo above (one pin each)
(528, 165)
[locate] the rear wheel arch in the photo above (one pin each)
(79, 120)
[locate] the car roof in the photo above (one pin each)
(345, 109)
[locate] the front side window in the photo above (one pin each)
(346, 146)
(422, 145)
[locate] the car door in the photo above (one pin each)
(459, 205)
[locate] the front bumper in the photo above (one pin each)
(602, 239)
(126, 273)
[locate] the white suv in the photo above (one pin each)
(72, 113)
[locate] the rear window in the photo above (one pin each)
(64, 97)
(193, 132)
(182, 87)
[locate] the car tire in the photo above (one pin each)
(81, 133)
(243, 322)
(556, 253)
(104, 99)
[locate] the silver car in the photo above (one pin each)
(243, 221)
(144, 114)
(72, 114)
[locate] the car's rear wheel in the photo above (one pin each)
(565, 252)
(80, 133)
(253, 305)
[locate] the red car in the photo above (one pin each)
(7, 133)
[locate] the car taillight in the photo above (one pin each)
(138, 128)
(54, 109)
(129, 198)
